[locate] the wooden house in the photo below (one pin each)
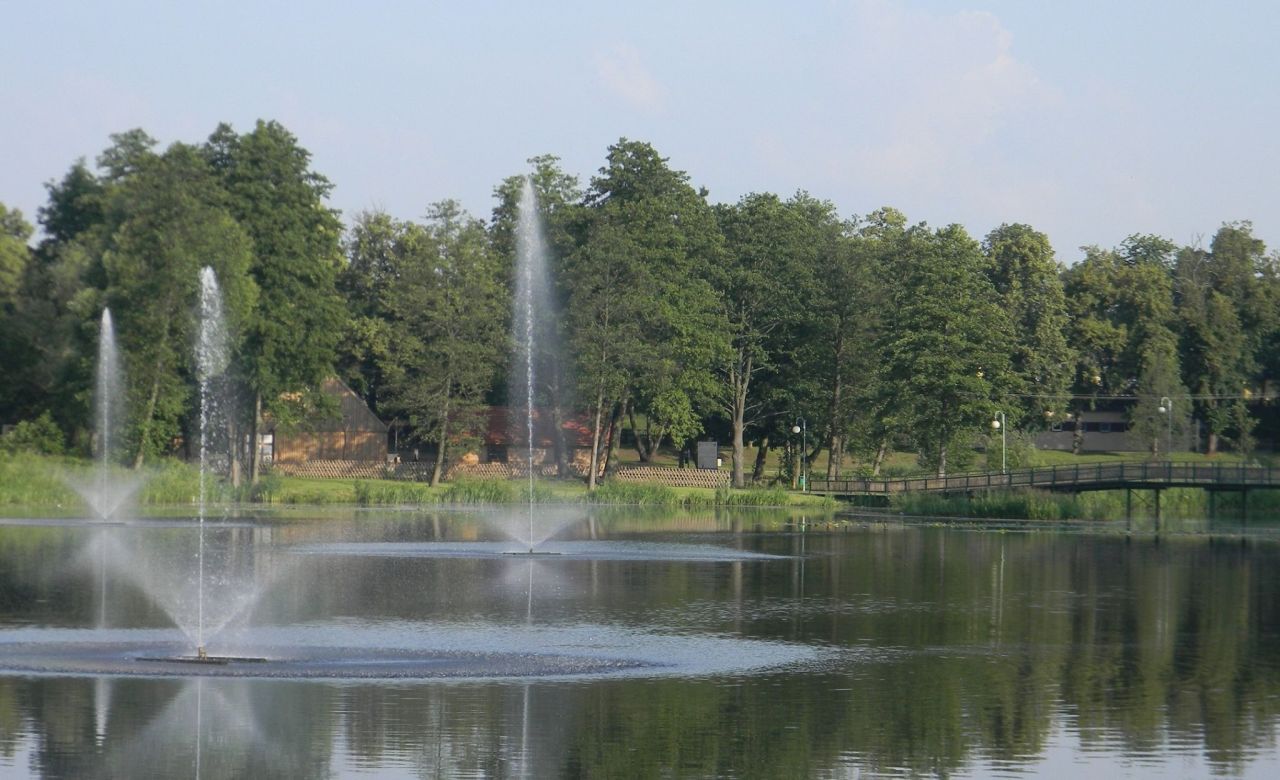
(353, 433)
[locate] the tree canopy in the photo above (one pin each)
(679, 318)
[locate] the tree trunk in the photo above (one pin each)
(233, 450)
(882, 452)
(643, 445)
(833, 414)
(146, 421)
(812, 455)
(437, 471)
(942, 460)
(594, 469)
(738, 445)
(762, 453)
(836, 462)
(557, 438)
(255, 449)
(615, 438)
(1211, 445)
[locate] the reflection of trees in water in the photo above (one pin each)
(165, 728)
(976, 645)
(960, 648)
(1131, 646)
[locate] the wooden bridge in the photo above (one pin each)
(1153, 476)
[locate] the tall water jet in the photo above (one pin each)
(104, 492)
(107, 393)
(532, 302)
(211, 363)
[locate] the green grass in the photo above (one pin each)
(1060, 458)
(1023, 504)
(1106, 505)
(30, 480)
(633, 494)
(36, 481)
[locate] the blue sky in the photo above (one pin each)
(1088, 120)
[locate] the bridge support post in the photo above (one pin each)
(1213, 505)
(1128, 509)
(1244, 508)
(1157, 492)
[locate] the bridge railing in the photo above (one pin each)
(1097, 475)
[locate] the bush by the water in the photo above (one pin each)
(461, 491)
(392, 493)
(40, 436)
(1021, 504)
(34, 481)
(1097, 505)
(633, 494)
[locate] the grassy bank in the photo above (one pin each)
(44, 481)
(1181, 503)
(34, 481)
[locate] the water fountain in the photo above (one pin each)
(532, 300)
(211, 363)
(105, 492)
(212, 357)
(327, 649)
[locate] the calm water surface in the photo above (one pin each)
(755, 646)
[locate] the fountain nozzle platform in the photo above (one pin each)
(203, 657)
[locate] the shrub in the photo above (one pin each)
(40, 436)
(480, 491)
(33, 481)
(390, 493)
(633, 493)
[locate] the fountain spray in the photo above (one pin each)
(530, 252)
(211, 361)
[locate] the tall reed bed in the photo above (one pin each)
(34, 480)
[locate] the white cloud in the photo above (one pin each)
(941, 88)
(622, 72)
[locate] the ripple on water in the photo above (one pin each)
(558, 550)
(363, 650)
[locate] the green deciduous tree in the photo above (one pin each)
(447, 326)
(14, 254)
(645, 323)
(1021, 266)
(15, 257)
(768, 292)
(374, 250)
(1224, 314)
(1123, 325)
(292, 335)
(174, 223)
(946, 342)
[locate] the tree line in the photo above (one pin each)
(679, 317)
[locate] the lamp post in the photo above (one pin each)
(1166, 408)
(998, 423)
(801, 427)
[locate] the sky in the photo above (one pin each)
(1090, 121)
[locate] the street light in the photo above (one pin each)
(1166, 407)
(998, 423)
(801, 427)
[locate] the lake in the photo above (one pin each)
(631, 644)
